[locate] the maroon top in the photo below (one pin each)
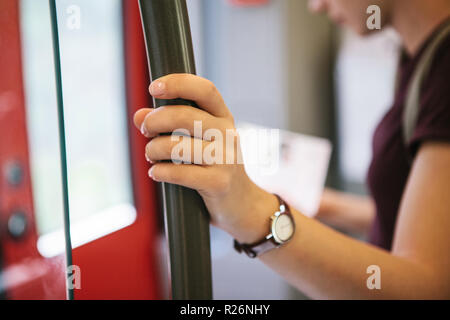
(390, 167)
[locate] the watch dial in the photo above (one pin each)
(284, 227)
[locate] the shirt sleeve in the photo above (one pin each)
(433, 123)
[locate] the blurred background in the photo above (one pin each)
(276, 65)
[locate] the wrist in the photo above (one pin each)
(256, 210)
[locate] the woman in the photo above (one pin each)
(409, 246)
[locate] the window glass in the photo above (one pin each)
(42, 115)
(92, 62)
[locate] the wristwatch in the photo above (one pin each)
(282, 230)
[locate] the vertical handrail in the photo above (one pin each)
(62, 140)
(169, 50)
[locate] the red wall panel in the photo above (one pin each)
(121, 265)
(39, 278)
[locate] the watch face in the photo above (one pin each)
(283, 228)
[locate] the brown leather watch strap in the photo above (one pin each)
(255, 249)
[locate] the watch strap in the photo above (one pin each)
(256, 249)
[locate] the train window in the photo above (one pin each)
(41, 112)
(99, 175)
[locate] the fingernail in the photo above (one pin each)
(148, 159)
(157, 88)
(150, 173)
(144, 130)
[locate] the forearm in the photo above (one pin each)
(346, 211)
(325, 264)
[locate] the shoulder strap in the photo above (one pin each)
(412, 102)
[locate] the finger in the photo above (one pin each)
(182, 149)
(139, 117)
(171, 118)
(191, 176)
(190, 87)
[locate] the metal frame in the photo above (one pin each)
(62, 138)
(169, 50)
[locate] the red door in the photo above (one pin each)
(25, 273)
(118, 265)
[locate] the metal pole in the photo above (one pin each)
(169, 50)
(62, 140)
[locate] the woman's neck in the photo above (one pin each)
(415, 20)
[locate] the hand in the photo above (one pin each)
(209, 164)
(345, 211)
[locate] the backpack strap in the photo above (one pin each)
(412, 102)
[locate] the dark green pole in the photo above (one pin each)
(62, 139)
(169, 49)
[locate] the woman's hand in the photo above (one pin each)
(209, 151)
(351, 213)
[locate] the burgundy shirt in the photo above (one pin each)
(390, 167)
